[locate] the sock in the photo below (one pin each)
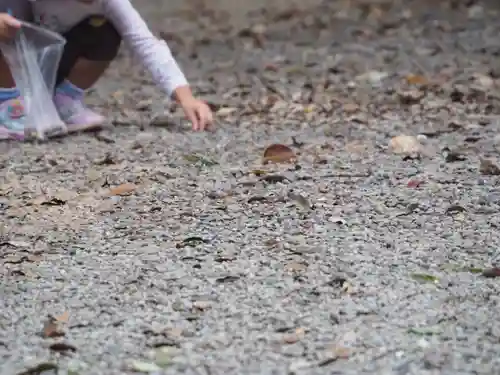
(67, 88)
(8, 94)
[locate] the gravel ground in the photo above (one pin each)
(147, 248)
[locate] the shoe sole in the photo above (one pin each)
(84, 127)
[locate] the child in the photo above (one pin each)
(94, 30)
(11, 109)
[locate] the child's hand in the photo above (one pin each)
(8, 26)
(197, 111)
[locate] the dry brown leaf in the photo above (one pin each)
(356, 147)
(405, 144)
(202, 305)
(414, 79)
(292, 338)
(340, 352)
(410, 97)
(63, 318)
(488, 168)
(350, 108)
(123, 189)
(51, 329)
(277, 153)
(295, 267)
(300, 200)
(225, 111)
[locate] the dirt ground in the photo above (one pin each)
(147, 248)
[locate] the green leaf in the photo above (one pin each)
(425, 331)
(457, 268)
(475, 270)
(199, 160)
(145, 367)
(424, 278)
(40, 368)
(163, 357)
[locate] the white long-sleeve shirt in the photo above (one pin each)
(62, 15)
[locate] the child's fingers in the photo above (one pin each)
(208, 118)
(191, 115)
(11, 21)
(202, 115)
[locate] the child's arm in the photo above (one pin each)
(157, 58)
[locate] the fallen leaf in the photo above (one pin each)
(336, 220)
(277, 153)
(164, 120)
(474, 270)
(373, 77)
(410, 97)
(296, 143)
(104, 138)
(491, 272)
(199, 160)
(413, 183)
(225, 257)
(225, 111)
(63, 318)
(424, 278)
(454, 209)
(334, 354)
(274, 179)
(452, 156)
(163, 356)
(48, 201)
(257, 199)
(356, 147)
(40, 369)
(298, 367)
(425, 331)
(271, 67)
(488, 168)
(309, 109)
(414, 79)
(108, 159)
(295, 267)
(62, 347)
(406, 145)
(15, 259)
(341, 352)
(51, 329)
(300, 200)
(259, 172)
(202, 305)
(350, 108)
(227, 279)
(123, 189)
(18, 244)
(483, 80)
(292, 338)
(145, 367)
(191, 241)
(341, 283)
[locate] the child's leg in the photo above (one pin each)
(11, 108)
(12, 115)
(91, 46)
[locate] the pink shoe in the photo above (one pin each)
(12, 120)
(76, 115)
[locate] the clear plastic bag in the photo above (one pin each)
(33, 57)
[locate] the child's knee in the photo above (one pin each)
(97, 38)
